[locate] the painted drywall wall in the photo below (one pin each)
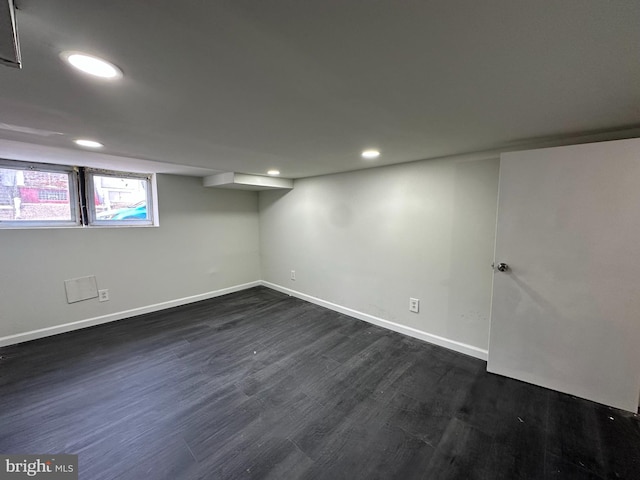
(207, 240)
(371, 239)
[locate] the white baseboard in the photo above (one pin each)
(396, 327)
(67, 327)
(412, 332)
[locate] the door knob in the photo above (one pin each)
(502, 267)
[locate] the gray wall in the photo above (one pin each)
(207, 240)
(371, 239)
(365, 240)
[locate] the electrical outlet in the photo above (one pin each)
(414, 305)
(293, 274)
(103, 295)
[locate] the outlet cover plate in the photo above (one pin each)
(414, 305)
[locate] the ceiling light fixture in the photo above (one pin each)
(273, 172)
(92, 65)
(370, 154)
(88, 143)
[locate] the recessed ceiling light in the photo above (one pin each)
(370, 154)
(92, 65)
(88, 143)
(273, 172)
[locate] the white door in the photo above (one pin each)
(566, 314)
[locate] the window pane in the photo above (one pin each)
(34, 195)
(120, 198)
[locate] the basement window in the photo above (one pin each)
(43, 195)
(116, 198)
(38, 195)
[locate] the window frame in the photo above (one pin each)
(92, 220)
(82, 197)
(74, 195)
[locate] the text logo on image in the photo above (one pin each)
(51, 467)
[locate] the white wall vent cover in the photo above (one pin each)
(82, 288)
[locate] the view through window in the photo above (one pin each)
(42, 195)
(36, 196)
(120, 198)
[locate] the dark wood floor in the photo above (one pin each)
(257, 384)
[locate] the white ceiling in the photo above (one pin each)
(304, 86)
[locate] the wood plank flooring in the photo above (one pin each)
(258, 385)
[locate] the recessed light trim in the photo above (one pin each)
(273, 172)
(370, 154)
(92, 65)
(83, 142)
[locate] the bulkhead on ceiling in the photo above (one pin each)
(242, 181)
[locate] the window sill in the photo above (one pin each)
(70, 227)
